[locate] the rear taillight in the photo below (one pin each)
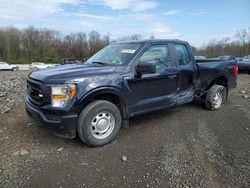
(235, 70)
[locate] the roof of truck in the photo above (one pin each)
(152, 40)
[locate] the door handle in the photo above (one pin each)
(172, 76)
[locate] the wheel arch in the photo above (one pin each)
(222, 80)
(110, 94)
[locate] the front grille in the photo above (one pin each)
(38, 93)
(34, 91)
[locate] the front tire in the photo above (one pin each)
(215, 97)
(99, 123)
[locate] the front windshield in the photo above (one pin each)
(116, 54)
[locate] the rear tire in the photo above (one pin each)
(215, 97)
(99, 123)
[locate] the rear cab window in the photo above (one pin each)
(182, 54)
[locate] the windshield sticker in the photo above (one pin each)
(129, 51)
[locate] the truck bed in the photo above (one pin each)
(210, 69)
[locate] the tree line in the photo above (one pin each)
(32, 44)
(239, 46)
(50, 46)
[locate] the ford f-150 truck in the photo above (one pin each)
(96, 98)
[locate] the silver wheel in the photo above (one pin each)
(99, 123)
(102, 125)
(217, 99)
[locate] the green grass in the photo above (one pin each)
(19, 61)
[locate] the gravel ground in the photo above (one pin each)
(182, 147)
(12, 89)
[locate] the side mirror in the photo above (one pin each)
(145, 68)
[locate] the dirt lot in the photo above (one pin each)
(182, 147)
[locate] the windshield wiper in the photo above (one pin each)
(99, 63)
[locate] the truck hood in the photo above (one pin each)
(67, 73)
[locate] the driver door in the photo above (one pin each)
(158, 90)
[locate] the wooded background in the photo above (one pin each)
(50, 46)
(239, 46)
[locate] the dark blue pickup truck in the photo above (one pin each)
(96, 98)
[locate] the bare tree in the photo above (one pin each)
(95, 42)
(81, 45)
(131, 37)
(106, 38)
(152, 37)
(243, 35)
(3, 45)
(136, 37)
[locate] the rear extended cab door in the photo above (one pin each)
(187, 71)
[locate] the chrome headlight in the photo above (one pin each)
(62, 94)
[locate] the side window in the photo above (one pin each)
(182, 54)
(159, 55)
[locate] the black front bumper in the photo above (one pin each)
(61, 125)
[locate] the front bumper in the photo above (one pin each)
(61, 125)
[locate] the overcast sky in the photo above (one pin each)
(196, 21)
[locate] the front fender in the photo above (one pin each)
(102, 90)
